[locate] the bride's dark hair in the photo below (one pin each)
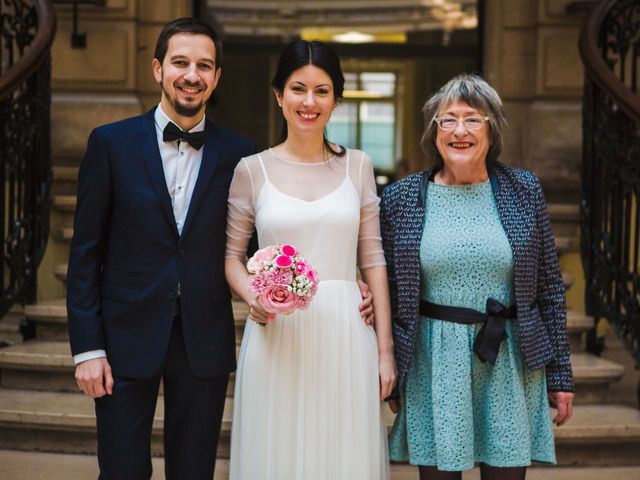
(301, 53)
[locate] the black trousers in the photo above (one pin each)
(192, 419)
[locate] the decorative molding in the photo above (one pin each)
(288, 18)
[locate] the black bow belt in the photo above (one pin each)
(492, 333)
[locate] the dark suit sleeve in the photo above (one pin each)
(88, 246)
(551, 301)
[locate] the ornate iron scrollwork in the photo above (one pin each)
(611, 182)
(25, 158)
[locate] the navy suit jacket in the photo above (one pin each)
(538, 286)
(127, 257)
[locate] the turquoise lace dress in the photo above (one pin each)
(457, 410)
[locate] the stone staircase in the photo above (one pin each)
(44, 418)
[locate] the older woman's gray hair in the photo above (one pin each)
(475, 92)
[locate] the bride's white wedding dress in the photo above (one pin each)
(306, 402)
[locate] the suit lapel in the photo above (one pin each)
(210, 160)
(153, 161)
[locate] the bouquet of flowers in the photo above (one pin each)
(283, 280)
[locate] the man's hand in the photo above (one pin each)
(563, 401)
(94, 377)
(366, 307)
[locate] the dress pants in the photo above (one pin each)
(192, 419)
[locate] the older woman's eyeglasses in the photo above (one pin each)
(471, 124)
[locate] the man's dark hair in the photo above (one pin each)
(192, 26)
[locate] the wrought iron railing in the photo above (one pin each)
(27, 28)
(610, 49)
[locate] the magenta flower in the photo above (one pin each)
(283, 261)
(288, 250)
(301, 267)
(312, 275)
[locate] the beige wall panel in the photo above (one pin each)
(73, 116)
(112, 10)
(555, 139)
(560, 70)
(163, 11)
(106, 63)
(554, 12)
(147, 36)
(514, 136)
(121, 4)
(519, 13)
(493, 33)
(517, 64)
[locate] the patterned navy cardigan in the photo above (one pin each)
(538, 286)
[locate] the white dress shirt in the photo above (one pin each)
(181, 164)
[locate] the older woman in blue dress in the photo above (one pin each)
(479, 307)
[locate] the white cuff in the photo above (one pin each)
(90, 355)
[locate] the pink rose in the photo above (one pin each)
(288, 250)
(301, 267)
(283, 261)
(303, 302)
(258, 282)
(254, 266)
(312, 275)
(256, 262)
(281, 277)
(277, 299)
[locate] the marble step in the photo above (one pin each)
(19, 465)
(567, 244)
(45, 366)
(597, 435)
(51, 319)
(593, 376)
(65, 203)
(565, 219)
(577, 324)
(65, 422)
(62, 234)
(10, 329)
(65, 180)
(602, 435)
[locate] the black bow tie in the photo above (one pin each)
(172, 132)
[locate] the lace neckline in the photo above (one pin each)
(293, 162)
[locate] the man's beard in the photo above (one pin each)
(181, 109)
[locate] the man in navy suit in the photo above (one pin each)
(146, 295)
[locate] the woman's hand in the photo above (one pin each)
(366, 306)
(388, 374)
(563, 401)
(258, 314)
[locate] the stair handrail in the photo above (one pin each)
(37, 52)
(610, 208)
(595, 66)
(27, 30)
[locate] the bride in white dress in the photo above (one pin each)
(307, 402)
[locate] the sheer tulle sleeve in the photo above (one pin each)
(241, 213)
(370, 253)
